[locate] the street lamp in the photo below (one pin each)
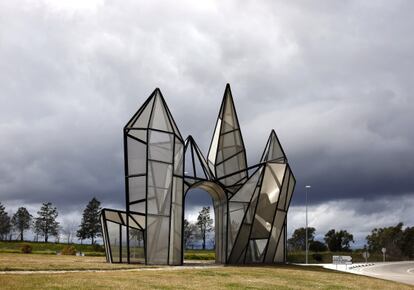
(306, 238)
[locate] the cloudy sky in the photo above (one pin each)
(335, 79)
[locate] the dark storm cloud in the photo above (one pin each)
(334, 78)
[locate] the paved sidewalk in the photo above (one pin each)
(402, 272)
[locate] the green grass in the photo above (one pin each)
(243, 277)
(37, 262)
(199, 255)
(50, 248)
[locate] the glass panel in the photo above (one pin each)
(278, 171)
(160, 146)
(178, 157)
(245, 193)
(250, 212)
(243, 236)
(275, 151)
(114, 240)
(137, 153)
(136, 188)
(139, 134)
(283, 191)
(158, 232)
(142, 118)
(176, 222)
(292, 182)
(275, 234)
(188, 167)
(280, 253)
(124, 249)
(270, 185)
(132, 224)
(229, 114)
(112, 216)
(160, 204)
(138, 207)
(105, 237)
(267, 201)
(214, 145)
(240, 244)
(136, 246)
(237, 210)
(160, 119)
(255, 251)
(140, 220)
(159, 187)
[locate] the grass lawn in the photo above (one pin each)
(259, 277)
(32, 262)
(50, 248)
(199, 255)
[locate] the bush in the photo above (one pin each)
(26, 249)
(97, 248)
(68, 250)
(317, 246)
(317, 257)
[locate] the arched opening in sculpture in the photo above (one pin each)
(251, 202)
(219, 202)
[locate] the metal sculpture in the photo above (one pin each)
(250, 202)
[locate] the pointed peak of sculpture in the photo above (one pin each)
(273, 150)
(227, 107)
(195, 163)
(227, 154)
(154, 114)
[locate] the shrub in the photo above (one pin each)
(26, 249)
(68, 250)
(97, 248)
(317, 246)
(317, 257)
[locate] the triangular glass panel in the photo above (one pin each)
(246, 191)
(141, 120)
(255, 251)
(159, 118)
(273, 150)
(236, 214)
(138, 134)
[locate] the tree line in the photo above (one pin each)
(399, 242)
(45, 224)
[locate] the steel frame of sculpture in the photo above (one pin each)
(250, 202)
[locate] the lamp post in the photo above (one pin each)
(306, 238)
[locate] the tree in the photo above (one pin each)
(21, 221)
(298, 240)
(5, 225)
(204, 224)
(317, 246)
(90, 227)
(338, 241)
(189, 233)
(46, 224)
(407, 244)
(390, 238)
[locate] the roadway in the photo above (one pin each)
(396, 271)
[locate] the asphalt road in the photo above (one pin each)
(396, 271)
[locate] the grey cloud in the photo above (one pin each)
(357, 216)
(334, 79)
